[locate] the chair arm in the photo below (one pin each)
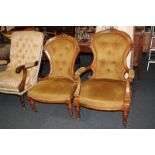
(4, 62)
(77, 78)
(127, 98)
(26, 66)
(81, 70)
(131, 74)
(24, 69)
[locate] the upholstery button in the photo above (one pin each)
(67, 49)
(56, 61)
(108, 70)
(109, 52)
(64, 62)
(53, 49)
(23, 56)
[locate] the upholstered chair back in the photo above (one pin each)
(63, 50)
(26, 47)
(110, 49)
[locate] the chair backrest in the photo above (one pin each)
(26, 47)
(110, 49)
(63, 50)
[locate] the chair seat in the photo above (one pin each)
(102, 94)
(53, 90)
(10, 80)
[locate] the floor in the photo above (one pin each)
(141, 116)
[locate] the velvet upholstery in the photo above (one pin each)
(62, 54)
(53, 90)
(110, 51)
(103, 94)
(26, 47)
(59, 85)
(108, 88)
(9, 81)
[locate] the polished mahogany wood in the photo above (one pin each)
(127, 98)
(138, 47)
(48, 58)
(85, 46)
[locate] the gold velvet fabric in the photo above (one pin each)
(106, 90)
(110, 50)
(102, 94)
(59, 85)
(62, 54)
(26, 47)
(53, 90)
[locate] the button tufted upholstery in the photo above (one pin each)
(110, 51)
(26, 47)
(62, 53)
(59, 85)
(108, 89)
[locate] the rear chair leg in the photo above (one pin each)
(32, 104)
(68, 102)
(77, 106)
(125, 118)
(21, 97)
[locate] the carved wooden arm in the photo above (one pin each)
(131, 74)
(129, 80)
(24, 69)
(77, 78)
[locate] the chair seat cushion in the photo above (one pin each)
(52, 90)
(10, 80)
(102, 94)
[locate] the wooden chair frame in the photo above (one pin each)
(24, 69)
(128, 81)
(77, 50)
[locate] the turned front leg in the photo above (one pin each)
(77, 106)
(32, 104)
(125, 118)
(69, 104)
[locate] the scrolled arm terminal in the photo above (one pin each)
(78, 73)
(24, 69)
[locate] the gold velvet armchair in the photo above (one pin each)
(22, 71)
(107, 88)
(59, 86)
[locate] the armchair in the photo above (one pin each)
(22, 71)
(59, 86)
(108, 88)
